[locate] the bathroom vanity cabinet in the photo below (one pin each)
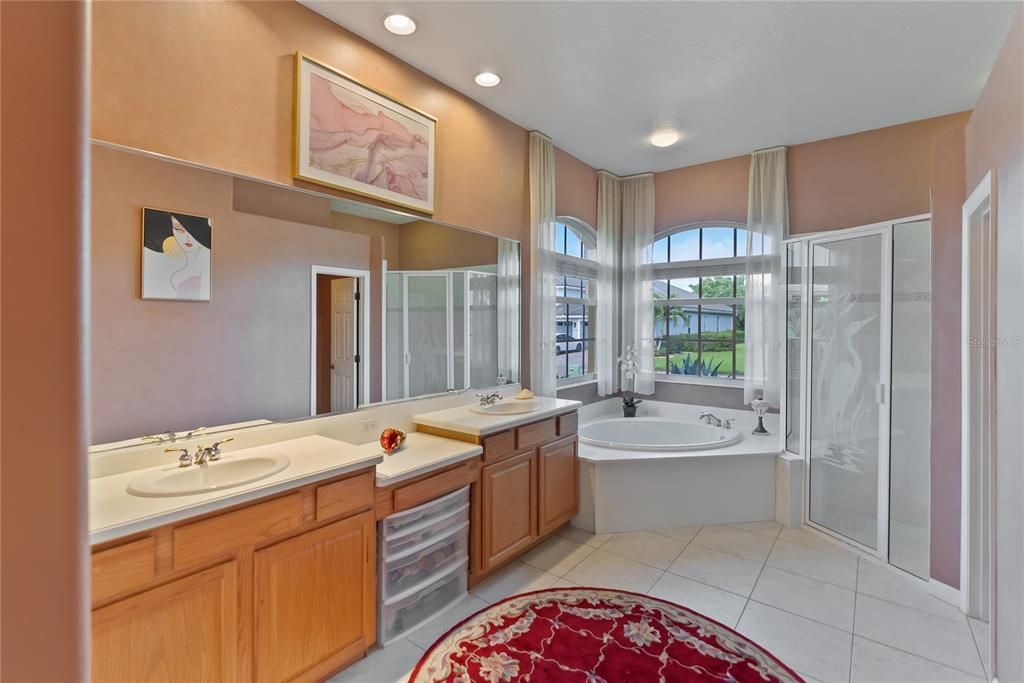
(281, 589)
(528, 486)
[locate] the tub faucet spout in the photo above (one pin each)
(709, 418)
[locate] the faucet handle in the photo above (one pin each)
(214, 450)
(727, 424)
(184, 460)
(197, 430)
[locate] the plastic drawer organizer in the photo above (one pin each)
(424, 563)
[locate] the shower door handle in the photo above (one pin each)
(880, 393)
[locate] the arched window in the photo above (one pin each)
(698, 291)
(576, 304)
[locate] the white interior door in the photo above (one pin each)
(344, 344)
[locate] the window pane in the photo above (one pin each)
(716, 359)
(659, 290)
(681, 321)
(716, 319)
(661, 251)
(686, 245)
(720, 287)
(741, 242)
(680, 357)
(573, 244)
(717, 243)
(560, 238)
(684, 288)
(741, 285)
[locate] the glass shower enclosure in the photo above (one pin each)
(858, 311)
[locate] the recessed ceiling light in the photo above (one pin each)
(487, 79)
(400, 24)
(665, 138)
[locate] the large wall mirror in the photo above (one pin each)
(218, 300)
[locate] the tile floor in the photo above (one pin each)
(827, 612)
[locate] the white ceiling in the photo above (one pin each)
(600, 77)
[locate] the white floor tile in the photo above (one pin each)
(728, 539)
(511, 580)
(557, 555)
(425, 636)
(813, 539)
(820, 651)
(890, 584)
(391, 664)
(607, 570)
(643, 546)
(680, 533)
(727, 572)
(770, 528)
(564, 583)
(582, 536)
(877, 663)
(720, 605)
(940, 640)
(840, 570)
(807, 597)
(983, 638)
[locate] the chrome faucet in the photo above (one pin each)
(489, 399)
(710, 419)
(202, 455)
(172, 436)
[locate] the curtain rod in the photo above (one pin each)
(769, 149)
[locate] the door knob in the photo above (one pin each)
(332, 366)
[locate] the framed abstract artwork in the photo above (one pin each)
(351, 137)
(176, 255)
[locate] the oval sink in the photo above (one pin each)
(222, 474)
(513, 407)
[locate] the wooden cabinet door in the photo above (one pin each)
(558, 491)
(508, 508)
(314, 601)
(186, 630)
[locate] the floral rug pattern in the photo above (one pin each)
(594, 635)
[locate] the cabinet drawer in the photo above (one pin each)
(432, 487)
(499, 446)
(222, 534)
(567, 424)
(122, 568)
(535, 434)
(342, 497)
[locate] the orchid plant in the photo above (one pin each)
(629, 362)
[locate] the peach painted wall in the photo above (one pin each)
(43, 550)
(159, 365)
(428, 246)
(995, 142)
(712, 191)
(947, 187)
(575, 188)
(212, 82)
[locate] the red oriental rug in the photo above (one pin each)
(594, 635)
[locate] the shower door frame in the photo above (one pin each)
(885, 230)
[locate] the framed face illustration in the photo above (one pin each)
(176, 255)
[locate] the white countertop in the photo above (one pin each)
(422, 453)
(464, 421)
(113, 512)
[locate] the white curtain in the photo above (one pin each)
(508, 310)
(609, 248)
(542, 265)
(767, 225)
(637, 301)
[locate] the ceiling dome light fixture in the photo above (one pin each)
(400, 24)
(665, 138)
(487, 79)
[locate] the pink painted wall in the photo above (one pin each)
(575, 188)
(159, 365)
(995, 142)
(712, 191)
(44, 623)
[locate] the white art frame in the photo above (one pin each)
(177, 256)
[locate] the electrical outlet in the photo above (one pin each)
(369, 426)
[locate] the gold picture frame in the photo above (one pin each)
(350, 137)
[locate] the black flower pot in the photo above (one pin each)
(629, 411)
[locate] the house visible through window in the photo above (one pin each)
(699, 325)
(576, 271)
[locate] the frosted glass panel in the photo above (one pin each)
(427, 333)
(845, 371)
(394, 356)
(794, 330)
(459, 333)
(483, 329)
(910, 433)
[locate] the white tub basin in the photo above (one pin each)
(224, 473)
(656, 434)
(512, 407)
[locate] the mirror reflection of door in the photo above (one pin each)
(338, 367)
